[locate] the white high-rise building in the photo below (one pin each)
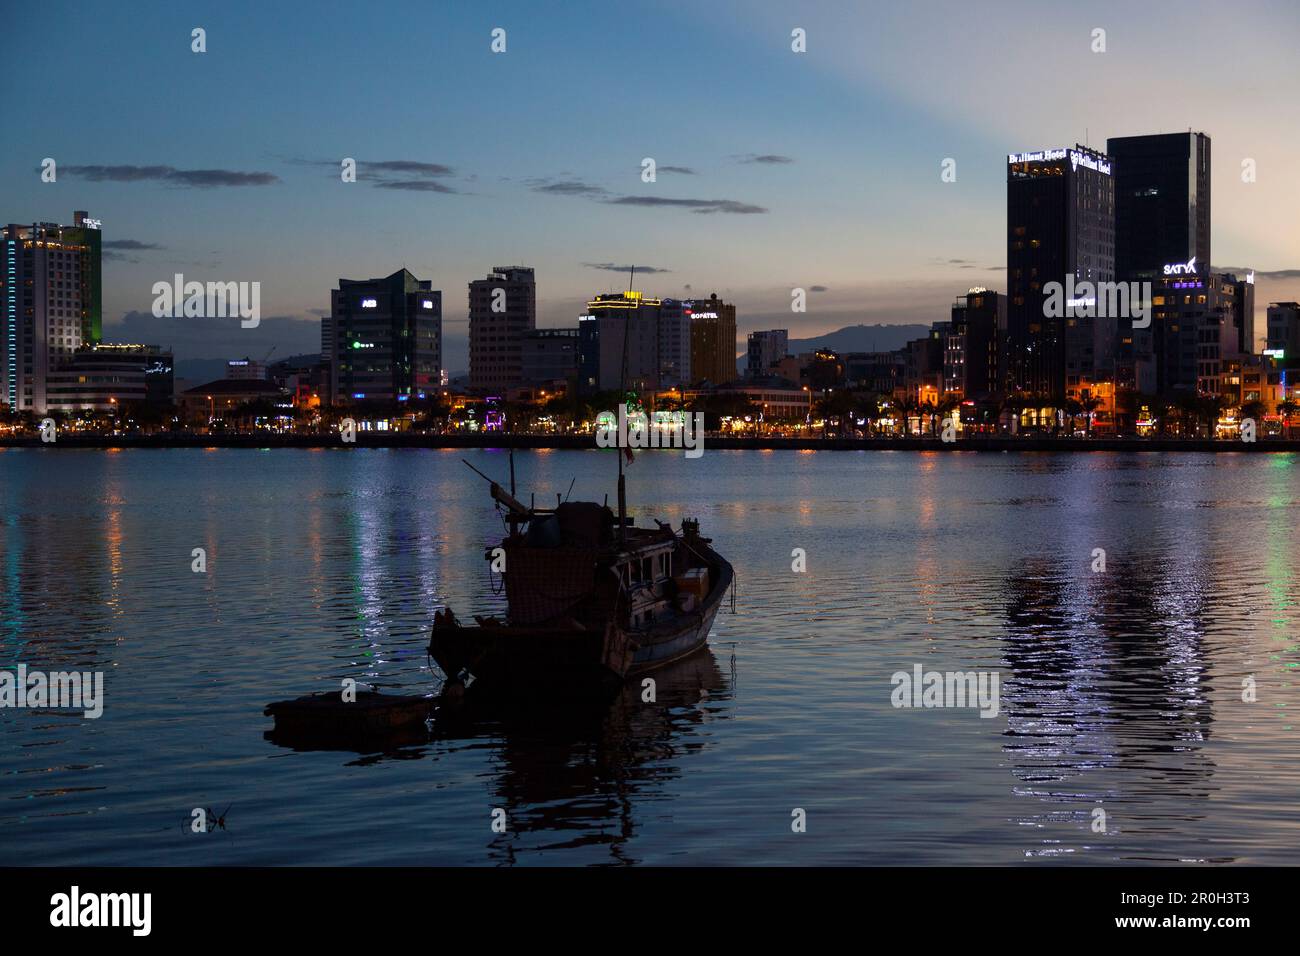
(49, 308)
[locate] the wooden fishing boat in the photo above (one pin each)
(592, 601)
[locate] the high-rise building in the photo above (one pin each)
(713, 340)
(50, 296)
(502, 307)
(644, 343)
(385, 339)
(973, 348)
(1195, 329)
(1060, 224)
(1162, 203)
(765, 349)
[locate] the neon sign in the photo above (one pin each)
(369, 303)
(1087, 161)
(1187, 268)
(1042, 156)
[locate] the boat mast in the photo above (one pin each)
(622, 390)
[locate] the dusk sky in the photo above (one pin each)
(819, 170)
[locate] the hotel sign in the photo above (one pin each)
(1187, 268)
(1088, 161)
(1042, 156)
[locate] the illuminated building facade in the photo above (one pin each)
(49, 304)
(108, 375)
(1060, 223)
(973, 346)
(384, 338)
(653, 337)
(1162, 202)
(713, 340)
(1195, 329)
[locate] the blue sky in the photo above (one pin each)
(542, 145)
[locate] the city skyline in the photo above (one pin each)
(856, 213)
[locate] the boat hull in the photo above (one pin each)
(547, 661)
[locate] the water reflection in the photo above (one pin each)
(1107, 689)
(1120, 689)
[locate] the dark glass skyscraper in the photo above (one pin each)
(383, 339)
(1162, 203)
(1060, 223)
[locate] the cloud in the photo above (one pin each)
(412, 175)
(684, 170)
(703, 206)
(567, 187)
(612, 267)
(576, 187)
(1260, 273)
(128, 244)
(217, 338)
(190, 178)
(766, 159)
(818, 288)
(415, 185)
(408, 166)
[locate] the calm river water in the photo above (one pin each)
(1120, 689)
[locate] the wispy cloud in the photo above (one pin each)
(704, 206)
(766, 159)
(406, 166)
(415, 185)
(613, 267)
(413, 175)
(567, 187)
(128, 244)
(682, 170)
(585, 190)
(170, 175)
(818, 288)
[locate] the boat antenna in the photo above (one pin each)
(570, 491)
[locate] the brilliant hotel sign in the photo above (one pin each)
(1076, 157)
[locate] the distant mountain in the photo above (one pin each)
(856, 338)
(862, 338)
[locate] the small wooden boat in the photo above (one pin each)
(327, 714)
(592, 600)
